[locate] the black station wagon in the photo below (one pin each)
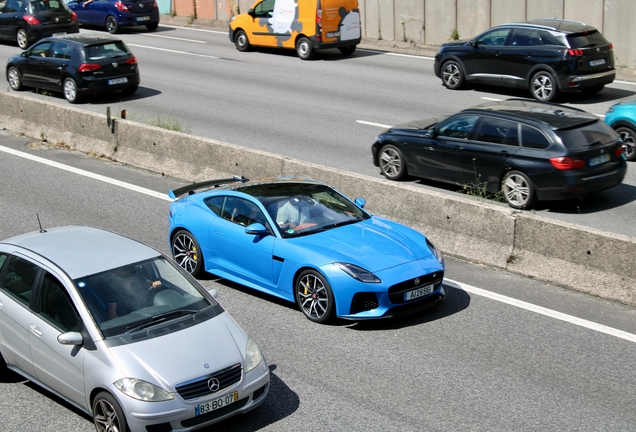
(529, 150)
(75, 65)
(545, 56)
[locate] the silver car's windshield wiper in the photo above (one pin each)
(158, 319)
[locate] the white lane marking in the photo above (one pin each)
(622, 82)
(175, 38)
(468, 288)
(194, 29)
(89, 174)
(373, 124)
(173, 51)
(544, 311)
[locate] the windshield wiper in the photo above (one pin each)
(158, 319)
(339, 224)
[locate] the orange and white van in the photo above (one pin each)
(303, 25)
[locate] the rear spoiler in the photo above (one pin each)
(190, 189)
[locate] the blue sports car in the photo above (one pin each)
(301, 240)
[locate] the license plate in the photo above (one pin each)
(597, 62)
(599, 159)
(118, 81)
(216, 403)
(420, 292)
(144, 18)
(333, 34)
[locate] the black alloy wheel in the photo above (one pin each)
(187, 252)
(314, 297)
(628, 136)
(111, 25)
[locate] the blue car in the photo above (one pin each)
(115, 14)
(303, 241)
(622, 118)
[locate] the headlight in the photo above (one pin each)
(142, 390)
(435, 251)
(253, 356)
(358, 273)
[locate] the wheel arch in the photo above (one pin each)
(623, 123)
(446, 59)
(543, 68)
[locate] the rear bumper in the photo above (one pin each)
(319, 45)
(578, 82)
(37, 32)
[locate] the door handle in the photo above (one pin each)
(35, 330)
(458, 148)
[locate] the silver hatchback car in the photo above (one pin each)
(117, 329)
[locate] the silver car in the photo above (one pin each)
(118, 330)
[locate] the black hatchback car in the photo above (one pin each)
(75, 65)
(27, 21)
(526, 149)
(545, 56)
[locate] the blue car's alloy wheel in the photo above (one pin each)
(314, 296)
(187, 253)
(628, 136)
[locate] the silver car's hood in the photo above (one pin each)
(183, 355)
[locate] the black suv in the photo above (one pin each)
(546, 56)
(526, 149)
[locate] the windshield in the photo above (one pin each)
(305, 208)
(141, 295)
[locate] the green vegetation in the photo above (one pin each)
(454, 34)
(168, 123)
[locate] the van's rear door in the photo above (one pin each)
(340, 20)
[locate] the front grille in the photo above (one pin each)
(199, 387)
(396, 292)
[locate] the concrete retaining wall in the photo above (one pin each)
(572, 256)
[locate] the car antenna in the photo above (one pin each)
(42, 230)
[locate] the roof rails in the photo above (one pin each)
(190, 189)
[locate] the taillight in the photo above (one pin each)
(121, 6)
(88, 67)
(132, 60)
(567, 163)
(611, 46)
(575, 52)
(155, 5)
(619, 151)
(31, 20)
(73, 16)
(319, 24)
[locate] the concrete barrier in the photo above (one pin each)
(572, 256)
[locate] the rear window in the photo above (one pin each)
(46, 6)
(587, 40)
(591, 134)
(106, 51)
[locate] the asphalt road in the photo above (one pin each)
(326, 111)
(519, 355)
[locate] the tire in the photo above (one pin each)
(544, 87)
(518, 190)
(108, 415)
(314, 297)
(111, 25)
(241, 41)
(392, 163)
(304, 49)
(15, 78)
(152, 27)
(4, 370)
(628, 136)
(187, 253)
(71, 92)
(348, 50)
(21, 39)
(130, 90)
(452, 75)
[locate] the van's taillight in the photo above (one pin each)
(88, 67)
(319, 24)
(31, 20)
(567, 163)
(575, 52)
(121, 6)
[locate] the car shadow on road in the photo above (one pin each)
(615, 197)
(280, 402)
(456, 301)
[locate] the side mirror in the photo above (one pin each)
(250, 12)
(429, 133)
(473, 43)
(256, 229)
(213, 292)
(71, 338)
(360, 202)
